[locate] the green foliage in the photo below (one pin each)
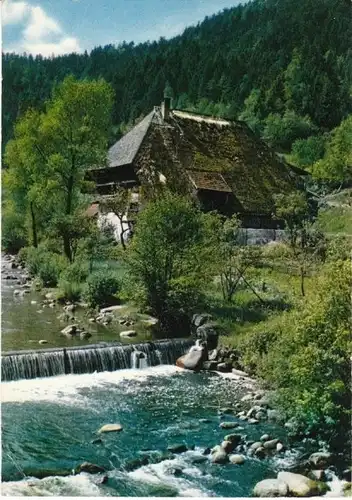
(70, 290)
(167, 259)
(306, 243)
(233, 260)
(305, 152)
(281, 131)
(49, 155)
(306, 356)
(252, 112)
(297, 54)
(77, 272)
(336, 166)
(101, 288)
(13, 231)
(338, 248)
(335, 220)
(47, 266)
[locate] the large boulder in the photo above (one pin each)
(207, 333)
(228, 446)
(200, 319)
(194, 359)
(270, 488)
(302, 486)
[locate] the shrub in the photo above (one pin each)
(306, 356)
(70, 290)
(46, 265)
(13, 236)
(23, 255)
(101, 288)
(168, 257)
(77, 272)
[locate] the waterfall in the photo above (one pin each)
(90, 358)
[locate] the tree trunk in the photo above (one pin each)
(67, 247)
(122, 239)
(302, 282)
(34, 226)
(66, 237)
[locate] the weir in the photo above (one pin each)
(18, 365)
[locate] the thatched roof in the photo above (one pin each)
(212, 181)
(208, 153)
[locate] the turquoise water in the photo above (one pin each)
(49, 424)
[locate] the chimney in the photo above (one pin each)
(165, 108)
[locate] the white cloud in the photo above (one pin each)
(42, 33)
(40, 25)
(65, 45)
(13, 12)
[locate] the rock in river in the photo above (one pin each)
(90, 468)
(177, 448)
(302, 486)
(128, 333)
(271, 444)
(69, 331)
(228, 425)
(234, 438)
(111, 428)
(228, 446)
(321, 460)
(193, 360)
(219, 455)
(270, 488)
(237, 459)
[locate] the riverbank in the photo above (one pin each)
(34, 318)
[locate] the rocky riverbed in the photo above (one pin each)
(33, 318)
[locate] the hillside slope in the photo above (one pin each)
(282, 54)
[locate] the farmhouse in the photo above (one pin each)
(221, 163)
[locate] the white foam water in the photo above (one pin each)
(335, 484)
(80, 485)
(163, 473)
(65, 388)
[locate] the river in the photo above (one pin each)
(51, 424)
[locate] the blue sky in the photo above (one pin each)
(61, 26)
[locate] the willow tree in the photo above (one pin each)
(75, 128)
(51, 152)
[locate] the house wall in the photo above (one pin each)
(110, 219)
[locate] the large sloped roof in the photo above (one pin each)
(213, 154)
(124, 151)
